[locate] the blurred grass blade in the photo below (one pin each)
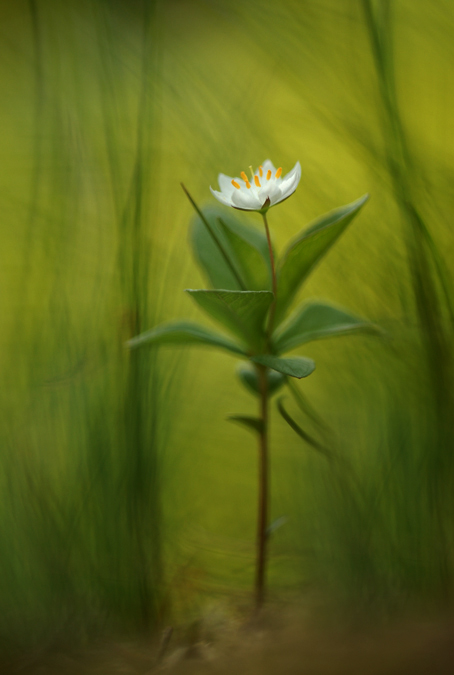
(308, 248)
(318, 320)
(297, 366)
(184, 332)
(242, 312)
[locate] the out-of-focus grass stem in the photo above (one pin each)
(429, 275)
(379, 24)
(273, 277)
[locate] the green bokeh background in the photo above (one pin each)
(126, 495)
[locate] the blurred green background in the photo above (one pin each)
(127, 499)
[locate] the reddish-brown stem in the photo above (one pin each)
(263, 492)
(262, 522)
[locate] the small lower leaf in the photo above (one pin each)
(251, 423)
(297, 366)
(306, 408)
(301, 433)
(249, 378)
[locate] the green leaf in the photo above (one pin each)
(251, 423)
(249, 378)
(301, 433)
(184, 332)
(306, 408)
(245, 246)
(297, 366)
(250, 254)
(318, 320)
(242, 312)
(307, 249)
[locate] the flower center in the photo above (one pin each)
(246, 180)
(256, 178)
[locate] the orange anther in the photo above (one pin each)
(248, 185)
(261, 171)
(278, 172)
(268, 174)
(244, 176)
(256, 181)
(235, 184)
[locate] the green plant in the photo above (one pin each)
(252, 292)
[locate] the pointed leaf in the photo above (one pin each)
(243, 312)
(249, 378)
(318, 320)
(251, 423)
(242, 254)
(306, 408)
(307, 249)
(185, 332)
(297, 366)
(301, 433)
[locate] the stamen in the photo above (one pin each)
(278, 172)
(261, 171)
(248, 185)
(256, 181)
(244, 177)
(235, 184)
(268, 174)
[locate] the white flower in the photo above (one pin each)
(265, 188)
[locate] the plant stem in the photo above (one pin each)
(262, 521)
(273, 278)
(263, 492)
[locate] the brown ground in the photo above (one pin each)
(277, 644)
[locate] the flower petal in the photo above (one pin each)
(275, 194)
(225, 183)
(222, 197)
(290, 177)
(290, 188)
(248, 200)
